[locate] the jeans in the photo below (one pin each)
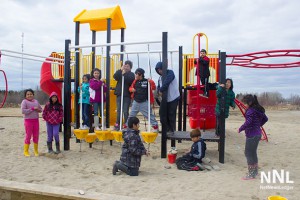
(125, 110)
(171, 115)
(97, 107)
(86, 114)
(204, 81)
(143, 108)
(251, 149)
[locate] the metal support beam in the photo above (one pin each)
(163, 109)
(67, 97)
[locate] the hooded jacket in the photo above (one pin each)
(53, 113)
(132, 149)
(254, 119)
(169, 85)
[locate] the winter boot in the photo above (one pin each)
(96, 123)
(255, 170)
(36, 151)
(122, 167)
(115, 168)
(57, 148)
(251, 173)
(26, 148)
(49, 145)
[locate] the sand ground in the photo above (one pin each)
(89, 170)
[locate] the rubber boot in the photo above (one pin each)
(36, 147)
(115, 168)
(122, 167)
(251, 173)
(26, 148)
(96, 123)
(255, 170)
(49, 145)
(57, 148)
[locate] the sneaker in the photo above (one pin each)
(116, 127)
(86, 127)
(155, 128)
(97, 128)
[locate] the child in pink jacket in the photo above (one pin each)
(53, 115)
(31, 109)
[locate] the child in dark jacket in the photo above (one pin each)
(191, 161)
(53, 115)
(203, 71)
(255, 118)
(132, 150)
(227, 91)
(139, 92)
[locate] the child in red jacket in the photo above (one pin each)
(53, 115)
(139, 90)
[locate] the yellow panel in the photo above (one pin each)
(98, 18)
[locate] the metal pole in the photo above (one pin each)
(67, 97)
(222, 60)
(163, 105)
(180, 90)
(108, 40)
(22, 58)
(77, 71)
(122, 48)
(93, 50)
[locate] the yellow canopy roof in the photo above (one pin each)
(98, 18)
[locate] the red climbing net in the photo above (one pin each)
(6, 85)
(250, 59)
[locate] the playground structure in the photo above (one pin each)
(65, 68)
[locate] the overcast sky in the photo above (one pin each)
(237, 27)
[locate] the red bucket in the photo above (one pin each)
(172, 158)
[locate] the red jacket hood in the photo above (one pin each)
(53, 94)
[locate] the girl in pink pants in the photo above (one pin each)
(31, 109)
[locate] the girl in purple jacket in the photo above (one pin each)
(95, 94)
(255, 117)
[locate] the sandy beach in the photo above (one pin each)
(91, 171)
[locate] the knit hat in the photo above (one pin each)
(140, 71)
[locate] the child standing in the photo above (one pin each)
(203, 70)
(83, 89)
(31, 109)
(191, 161)
(95, 94)
(139, 90)
(127, 76)
(132, 150)
(229, 101)
(53, 115)
(255, 117)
